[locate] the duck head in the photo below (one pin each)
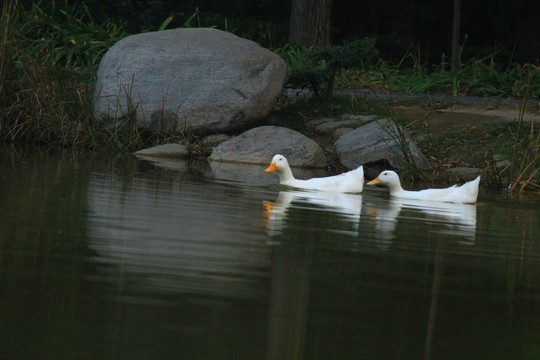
(281, 166)
(388, 178)
(279, 162)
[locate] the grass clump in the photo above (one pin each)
(317, 69)
(524, 171)
(68, 37)
(483, 78)
(46, 76)
(48, 62)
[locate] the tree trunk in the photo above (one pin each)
(454, 62)
(310, 22)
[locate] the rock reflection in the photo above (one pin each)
(347, 206)
(170, 236)
(168, 163)
(252, 174)
(454, 219)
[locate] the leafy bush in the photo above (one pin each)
(45, 97)
(358, 53)
(69, 37)
(316, 69)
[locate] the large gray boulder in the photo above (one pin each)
(199, 79)
(376, 141)
(260, 144)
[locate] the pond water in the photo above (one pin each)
(106, 257)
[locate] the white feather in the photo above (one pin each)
(349, 182)
(466, 193)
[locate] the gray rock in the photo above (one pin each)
(199, 79)
(376, 141)
(259, 145)
(165, 150)
(502, 164)
(340, 132)
(317, 122)
(330, 126)
(360, 118)
(168, 163)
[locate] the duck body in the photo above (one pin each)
(466, 193)
(349, 182)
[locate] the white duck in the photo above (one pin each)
(466, 193)
(349, 182)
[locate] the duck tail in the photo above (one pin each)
(472, 187)
(471, 184)
(360, 172)
(474, 182)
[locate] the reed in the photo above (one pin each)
(6, 50)
(46, 89)
(524, 170)
(398, 134)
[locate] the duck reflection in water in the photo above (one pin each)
(347, 206)
(455, 219)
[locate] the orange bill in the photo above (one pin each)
(269, 206)
(272, 167)
(375, 181)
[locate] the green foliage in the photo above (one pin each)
(316, 69)
(358, 53)
(168, 20)
(294, 55)
(476, 78)
(69, 37)
(46, 86)
(525, 167)
(304, 73)
(312, 78)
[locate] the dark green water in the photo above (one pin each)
(119, 258)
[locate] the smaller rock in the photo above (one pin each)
(379, 140)
(260, 144)
(330, 126)
(165, 150)
(340, 132)
(502, 164)
(360, 118)
(317, 122)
